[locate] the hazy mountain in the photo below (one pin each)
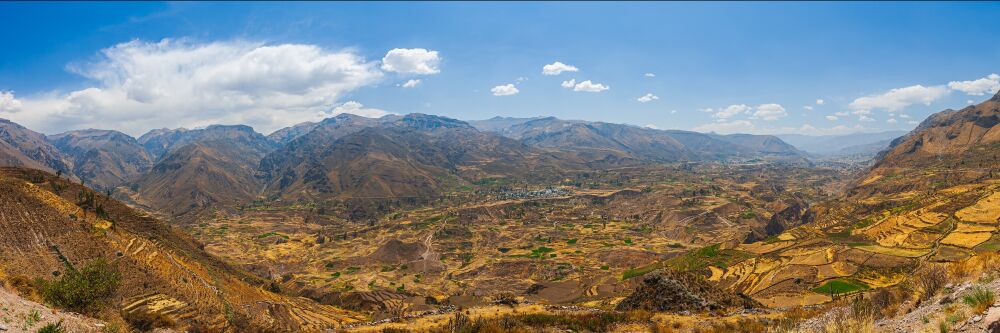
(635, 142)
(103, 158)
(834, 144)
(22, 147)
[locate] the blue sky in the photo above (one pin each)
(727, 67)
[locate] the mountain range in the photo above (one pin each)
(179, 171)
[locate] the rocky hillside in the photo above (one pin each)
(49, 226)
(22, 147)
(211, 168)
(103, 158)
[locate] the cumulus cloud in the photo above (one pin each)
(649, 75)
(557, 68)
(808, 108)
(899, 98)
(820, 101)
(356, 108)
(865, 118)
(588, 86)
(411, 61)
(904, 116)
(568, 83)
(730, 111)
(770, 111)
(841, 114)
(411, 83)
(8, 103)
(987, 85)
(892, 121)
(504, 90)
(831, 118)
(647, 98)
(651, 126)
(174, 83)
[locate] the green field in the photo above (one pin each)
(838, 286)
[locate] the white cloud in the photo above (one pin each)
(411, 61)
(841, 114)
(568, 83)
(899, 98)
(892, 121)
(730, 111)
(175, 83)
(808, 108)
(647, 98)
(727, 127)
(831, 118)
(912, 122)
(588, 86)
(820, 101)
(356, 108)
(557, 68)
(865, 118)
(504, 90)
(649, 75)
(673, 111)
(904, 116)
(989, 84)
(651, 126)
(8, 103)
(970, 102)
(770, 111)
(411, 83)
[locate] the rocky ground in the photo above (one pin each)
(20, 315)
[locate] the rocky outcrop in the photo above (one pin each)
(673, 291)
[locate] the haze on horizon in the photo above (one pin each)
(807, 68)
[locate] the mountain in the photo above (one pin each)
(22, 147)
(625, 141)
(839, 144)
(287, 134)
(946, 133)
(103, 158)
(165, 278)
(205, 168)
(413, 155)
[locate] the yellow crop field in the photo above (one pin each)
(985, 211)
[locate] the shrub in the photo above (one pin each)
(52, 328)
(979, 298)
(81, 290)
(930, 280)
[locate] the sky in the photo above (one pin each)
(766, 68)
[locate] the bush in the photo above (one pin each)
(144, 322)
(52, 328)
(930, 280)
(81, 290)
(979, 298)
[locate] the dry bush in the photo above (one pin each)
(930, 280)
(960, 270)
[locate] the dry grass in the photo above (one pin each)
(929, 280)
(979, 298)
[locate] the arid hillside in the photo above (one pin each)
(152, 273)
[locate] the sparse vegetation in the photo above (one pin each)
(81, 290)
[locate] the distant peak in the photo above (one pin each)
(426, 121)
(996, 98)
